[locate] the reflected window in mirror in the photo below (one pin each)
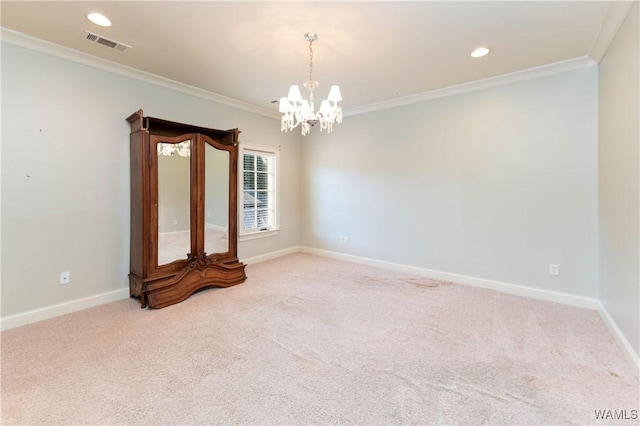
(174, 201)
(258, 195)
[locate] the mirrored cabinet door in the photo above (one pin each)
(216, 199)
(173, 199)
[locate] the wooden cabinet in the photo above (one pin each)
(183, 210)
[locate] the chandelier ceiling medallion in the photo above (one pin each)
(297, 111)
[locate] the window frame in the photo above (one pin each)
(243, 234)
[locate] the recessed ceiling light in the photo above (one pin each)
(99, 19)
(480, 52)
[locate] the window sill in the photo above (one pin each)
(258, 234)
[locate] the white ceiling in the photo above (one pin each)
(376, 51)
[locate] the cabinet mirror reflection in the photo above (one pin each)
(174, 201)
(216, 201)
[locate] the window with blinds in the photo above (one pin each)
(259, 181)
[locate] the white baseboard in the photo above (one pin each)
(620, 338)
(531, 292)
(271, 255)
(186, 231)
(515, 289)
(216, 227)
(51, 311)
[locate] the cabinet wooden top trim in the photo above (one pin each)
(162, 127)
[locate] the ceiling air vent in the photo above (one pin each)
(95, 38)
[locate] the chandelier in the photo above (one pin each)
(297, 111)
(183, 149)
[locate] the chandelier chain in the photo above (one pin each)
(311, 60)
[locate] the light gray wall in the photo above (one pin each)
(495, 184)
(619, 174)
(65, 174)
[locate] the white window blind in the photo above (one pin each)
(259, 178)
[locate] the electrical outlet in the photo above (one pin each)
(175, 221)
(65, 277)
(346, 240)
(554, 269)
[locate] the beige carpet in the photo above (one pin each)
(313, 340)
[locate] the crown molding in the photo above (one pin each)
(33, 43)
(536, 72)
(617, 13)
(42, 46)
